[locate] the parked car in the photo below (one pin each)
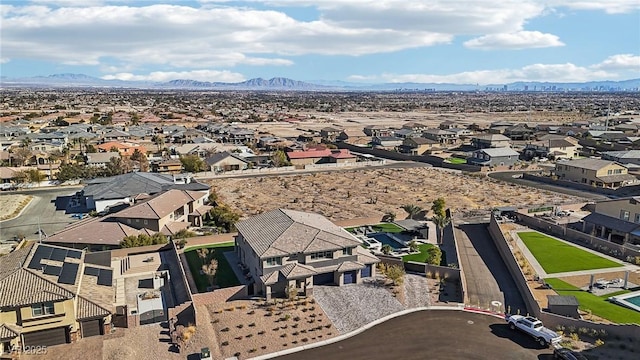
(533, 327)
(567, 354)
(7, 186)
(205, 354)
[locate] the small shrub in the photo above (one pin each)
(252, 350)
(295, 326)
(312, 308)
(297, 318)
(225, 329)
(263, 347)
(328, 326)
(252, 324)
(284, 335)
(215, 321)
(276, 328)
(329, 334)
(224, 343)
(237, 354)
(249, 335)
(251, 312)
(261, 332)
(284, 327)
(574, 336)
(305, 339)
(285, 344)
(287, 317)
(239, 326)
(238, 337)
(294, 342)
(319, 336)
(312, 315)
(303, 331)
(231, 309)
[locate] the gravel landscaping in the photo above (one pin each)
(416, 290)
(352, 306)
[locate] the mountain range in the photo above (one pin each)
(285, 84)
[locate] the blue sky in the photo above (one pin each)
(454, 41)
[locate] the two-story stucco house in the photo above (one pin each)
(616, 220)
(49, 297)
(286, 249)
(595, 172)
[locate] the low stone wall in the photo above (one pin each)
(124, 252)
(344, 165)
(551, 320)
(421, 268)
(371, 220)
(210, 239)
(463, 279)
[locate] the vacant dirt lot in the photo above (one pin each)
(10, 205)
(364, 193)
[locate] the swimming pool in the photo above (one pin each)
(630, 300)
(386, 240)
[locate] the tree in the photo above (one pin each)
(184, 233)
(210, 270)
(441, 222)
(22, 156)
(193, 163)
(158, 140)
(143, 240)
(224, 218)
(438, 207)
(389, 216)
(412, 210)
(203, 254)
(386, 249)
(114, 167)
(395, 273)
(434, 256)
(279, 158)
(413, 246)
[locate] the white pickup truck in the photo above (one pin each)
(533, 327)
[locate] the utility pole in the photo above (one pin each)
(39, 231)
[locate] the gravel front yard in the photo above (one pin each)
(416, 290)
(352, 306)
(11, 204)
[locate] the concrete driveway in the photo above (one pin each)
(432, 334)
(41, 209)
(488, 279)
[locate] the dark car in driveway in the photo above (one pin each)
(567, 354)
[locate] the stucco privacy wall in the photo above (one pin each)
(550, 320)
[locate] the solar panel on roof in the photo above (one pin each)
(91, 271)
(58, 254)
(74, 254)
(98, 258)
(68, 274)
(105, 277)
(52, 270)
(42, 252)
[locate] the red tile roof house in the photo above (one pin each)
(167, 212)
(309, 157)
(284, 249)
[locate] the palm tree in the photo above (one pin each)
(389, 216)
(412, 210)
(386, 249)
(413, 246)
(210, 270)
(441, 222)
(203, 254)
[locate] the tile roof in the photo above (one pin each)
(87, 309)
(217, 157)
(32, 289)
(98, 231)
(591, 164)
(160, 205)
(126, 185)
(491, 137)
(349, 265)
(611, 222)
(499, 152)
(308, 154)
(288, 272)
(342, 154)
(281, 231)
(6, 332)
(202, 210)
(14, 261)
(365, 256)
(607, 179)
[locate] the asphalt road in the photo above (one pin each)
(487, 277)
(432, 334)
(42, 209)
(509, 177)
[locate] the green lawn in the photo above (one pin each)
(455, 160)
(225, 276)
(556, 256)
(597, 304)
(387, 227)
(423, 255)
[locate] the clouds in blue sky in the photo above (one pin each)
(460, 41)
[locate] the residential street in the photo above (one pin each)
(508, 176)
(41, 209)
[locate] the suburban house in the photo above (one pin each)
(100, 193)
(286, 249)
(448, 124)
(377, 130)
(52, 295)
(494, 157)
(100, 160)
(405, 133)
(386, 142)
(320, 156)
(595, 172)
(616, 220)
(329, 133)
(622, 157)
(125, 149)
(519, 132)
(354, 136)
(167, 166)
(490, 141)
(415, 126)
(167, 212)
(418, 145)
(226, 161)
(557, 147)
(444, 137)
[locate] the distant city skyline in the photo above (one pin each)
(370, 41)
